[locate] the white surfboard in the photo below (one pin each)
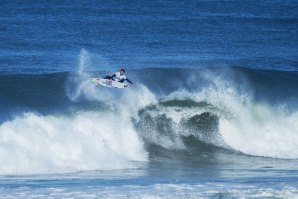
(108, 83)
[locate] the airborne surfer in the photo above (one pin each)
(119, 77)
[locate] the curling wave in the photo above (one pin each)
(60, 122)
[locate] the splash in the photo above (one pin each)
(79, 86)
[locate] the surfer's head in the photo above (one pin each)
(122, 71)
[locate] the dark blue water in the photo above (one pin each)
(212, 113)
(38, 37)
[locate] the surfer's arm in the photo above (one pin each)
(128, 80)
(112, 77)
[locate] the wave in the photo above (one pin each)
(236, 127)
(56, 123)
(52, 91)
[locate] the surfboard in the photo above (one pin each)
(108, 83)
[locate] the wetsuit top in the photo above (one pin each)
(120, 78)
(117, 77)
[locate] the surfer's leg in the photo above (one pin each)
(121, 81)
(107, 77)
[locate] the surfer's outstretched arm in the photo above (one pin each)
(129, 81)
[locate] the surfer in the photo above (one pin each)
(119, 76)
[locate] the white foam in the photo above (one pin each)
(55, 144)
(263, 132)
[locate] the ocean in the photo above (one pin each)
(212, 111)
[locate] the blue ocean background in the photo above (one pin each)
(212, 112)
(38, 37)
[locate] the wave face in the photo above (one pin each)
(60, 122)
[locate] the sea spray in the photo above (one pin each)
(84, 61)
(79, 83)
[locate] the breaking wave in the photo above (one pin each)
(56, 123)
